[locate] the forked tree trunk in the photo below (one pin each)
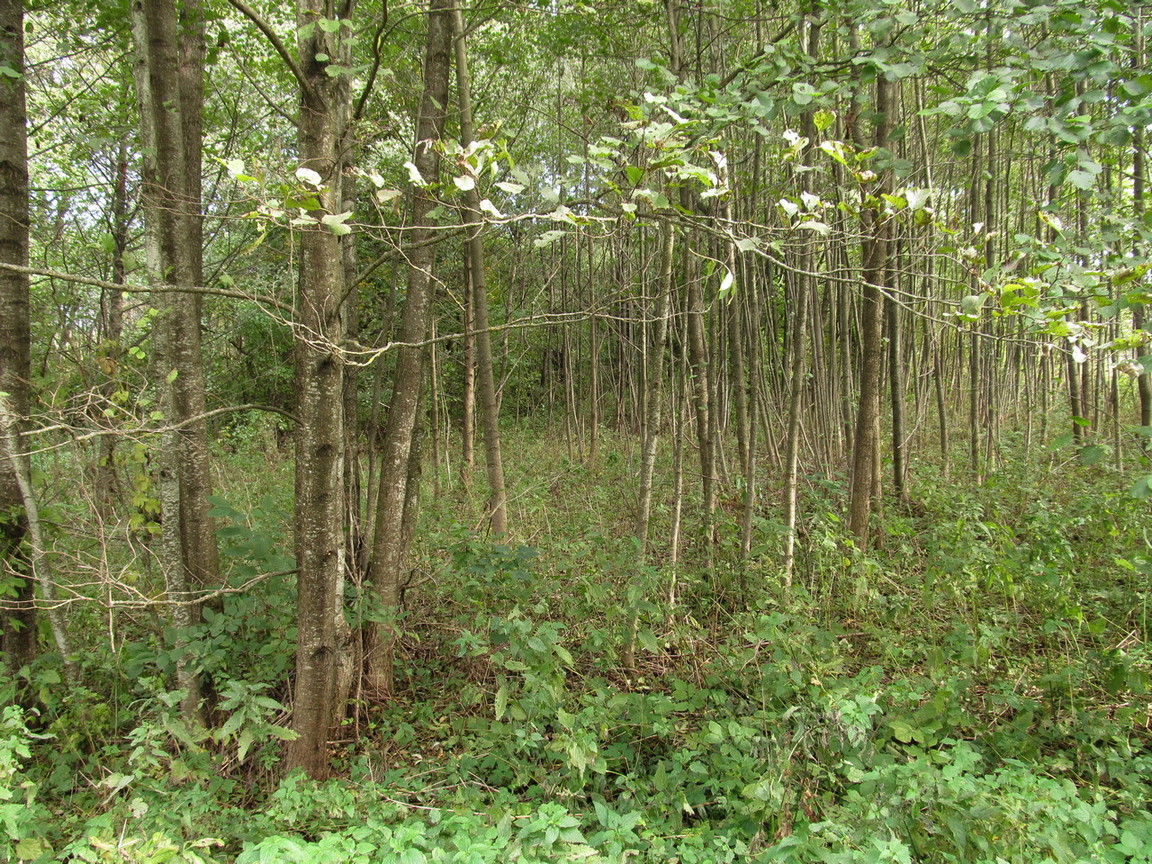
(169, 85)
(396, 493)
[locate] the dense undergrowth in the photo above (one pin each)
(974, 689)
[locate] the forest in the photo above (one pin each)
(467, 431)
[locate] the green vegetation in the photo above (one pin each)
(687, 431)
(974, 687)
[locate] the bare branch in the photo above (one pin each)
(281, 49)
(146, 289)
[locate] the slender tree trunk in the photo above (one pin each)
(653, 414)
(490, 409)
(111, 354)
(323, 642)
(799, 337)
(941, 409)
(752, 330)
(394, 495)
(654, 391)
(38, 559)
(867, 415)
(18, 639)
(1143, 357)
(896, 398)
(468, 397)
(701, 397)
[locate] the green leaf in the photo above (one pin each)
(1142, 488)
(802, 92)
(972, 304)
(414, 175)
(726, 284)
(335, 223)
(548, 238)
(29, 848)
(501, 705)
(1081, 179)
(244, 743)
(1092, 454)
(903, 732)
(819, 227)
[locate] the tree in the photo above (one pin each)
(18, 640)
(478, 295)
(170, 92)
(395, 490)
(324, 662)
(874, 274)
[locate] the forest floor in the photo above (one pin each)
(974, 688)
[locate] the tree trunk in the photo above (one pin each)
(654, 392)
(489, 407)
(468, 397)
(18, 639)
(323, 656)
(1143, 358)
(798, 337)
(388, 545)
(653, 412)
(169, 84)
(108, 492)
(867, 413)
(896, 398)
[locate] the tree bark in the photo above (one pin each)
(18, 639)
(323, 653)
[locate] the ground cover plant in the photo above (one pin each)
(974, 688)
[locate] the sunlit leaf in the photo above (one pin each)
(308, 176)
